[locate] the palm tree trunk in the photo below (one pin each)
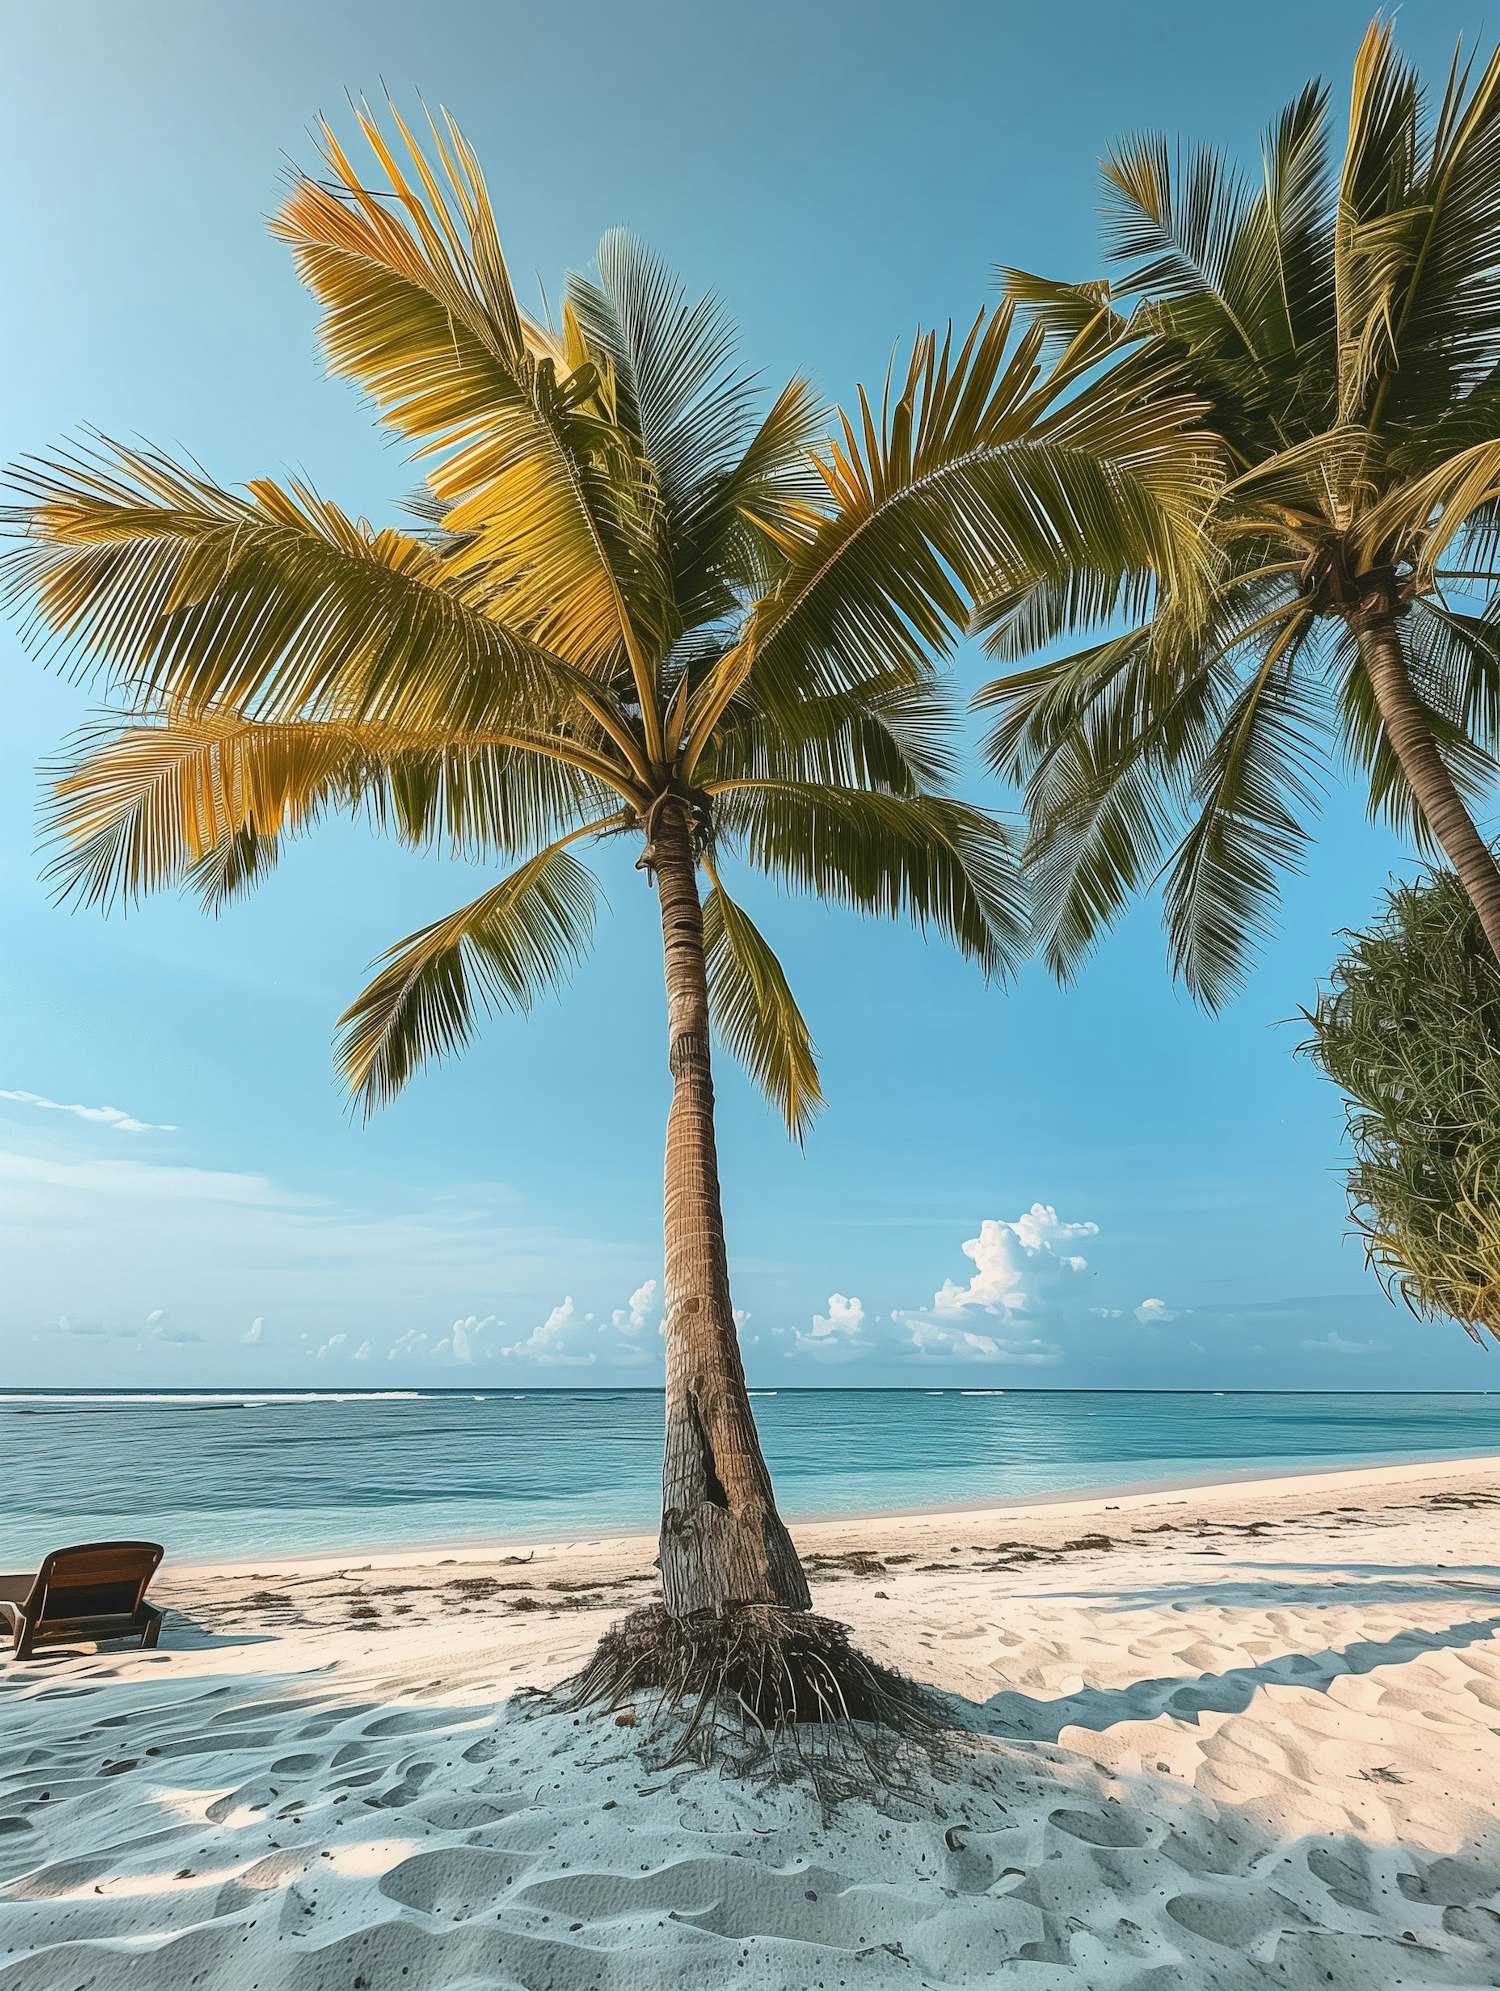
(722, 1540)
(1410, 735)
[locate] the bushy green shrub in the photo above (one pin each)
(1410, 1029)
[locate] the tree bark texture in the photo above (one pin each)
(722, 1540)
(1411, 739)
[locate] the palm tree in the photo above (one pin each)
(1343, 327)
(632, 606)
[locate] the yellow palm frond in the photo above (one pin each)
(556, 511)
(134, 808)
(187, 596)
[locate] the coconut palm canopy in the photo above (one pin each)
(625, 581)
(1341, 319)
(633, 601)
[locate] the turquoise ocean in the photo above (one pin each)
(235, 1474)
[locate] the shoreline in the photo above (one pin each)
(1124, 1496)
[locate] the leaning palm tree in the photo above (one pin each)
(631, 606)
(1343, 325)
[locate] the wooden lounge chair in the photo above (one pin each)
(94, 1591)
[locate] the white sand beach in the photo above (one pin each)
(1254, 1740)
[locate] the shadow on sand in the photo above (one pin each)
(164, 1822)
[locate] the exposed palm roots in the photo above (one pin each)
(762, 1688)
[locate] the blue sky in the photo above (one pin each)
(1101, 1186)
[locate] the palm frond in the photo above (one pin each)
(137, 807)
(674, 360)
(206, 798)
(232, 868)
(731, 550)
(980, 474)
(900, 737)
(556, 512)
(1181, 221)
(755, 1013)
(1105, 742)
(181, 594)
(1381, 215)
(506, 948)
(941, 863)
(1253, 796)
(1447, 321)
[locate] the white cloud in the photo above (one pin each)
(362, 1353)
(570, 1337)
(1152, 1313)
(103, 1116)
(1022, 1270)
(332, 1346)
(845, 1316)
(931, 1337)
(252, 1334)
(1335, 1344)
(1015, 1264)
(467, 1336)
(632, 1317)
(135, 1181)
(551, 1344)
(835, 1335)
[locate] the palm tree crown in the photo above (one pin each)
(1342, 324)
(624, 584)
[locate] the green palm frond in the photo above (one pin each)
(1460, 675)
(981, 469)
(1103, 817)
(232, 868)
(901, 737)
(135, 808)
(756, 1014)
(732, 548)
(941, 863)
(1253, 797)
(674, 369)
(1450, 311)
(506, 948)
